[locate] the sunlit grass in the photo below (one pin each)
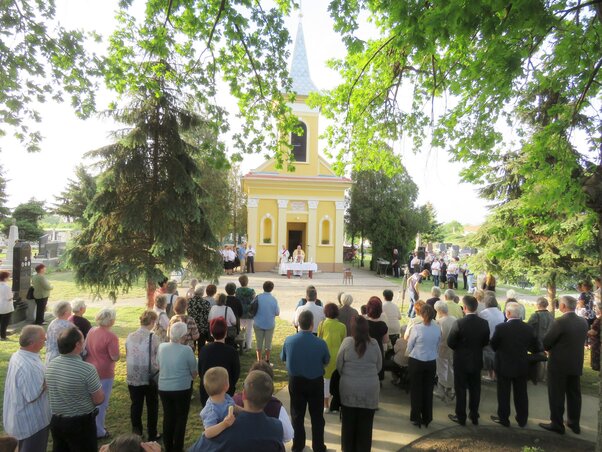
(118, 420)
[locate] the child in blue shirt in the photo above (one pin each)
(218, 413)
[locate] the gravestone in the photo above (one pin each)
(13, 236)
(21, 280)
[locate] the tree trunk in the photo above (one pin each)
(150, 294)
(362, 250)
(551, 288)
(599, 438)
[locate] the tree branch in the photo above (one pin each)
(168, 13)
(579, 6)
(586, 89)
(222, 5)
(251, 60)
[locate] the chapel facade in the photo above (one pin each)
(305, 207)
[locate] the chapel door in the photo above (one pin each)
(294, 238)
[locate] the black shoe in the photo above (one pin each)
(454, 418)
(416, 424)
(498, 420)
(575, 428)
(552, 428)
(474, 420)
(521, 424)
(156, 438)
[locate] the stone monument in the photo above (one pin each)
(13, 236)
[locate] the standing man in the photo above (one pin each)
(74, 390)
(564, 344)
(250, 259)
(467, 338)
(305, 356)
(414, 290)
(26, 412)
(512, 341)
(311, 305)
(436, 269)
(395, 263)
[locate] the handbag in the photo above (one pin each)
(232, 330)
(153, 378)
(253, 308)
(29, 295)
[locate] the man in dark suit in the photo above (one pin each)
(467, 338)
(512, 341)
(564, 344)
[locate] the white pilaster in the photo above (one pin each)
(282, 206)
(252, 205)
(339, 232)
(312, 229)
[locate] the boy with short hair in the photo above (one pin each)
(218, 413)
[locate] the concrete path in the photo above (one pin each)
(393, 430)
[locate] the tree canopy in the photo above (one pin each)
(74, 200)
(27, 217)
(382, 209)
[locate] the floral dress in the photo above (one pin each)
(198, 309)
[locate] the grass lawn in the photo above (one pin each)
(65, 288)
(118, 420)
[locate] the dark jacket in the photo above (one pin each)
(512, 341)
(467, 338)
(564, 342)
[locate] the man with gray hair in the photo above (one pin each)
(445, 357)
(564, 344)
(26, 412)
(74, 390)
(435, 297)
(512, 341)
(312, 306)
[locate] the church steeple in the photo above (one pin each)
(302, 82)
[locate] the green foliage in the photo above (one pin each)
(192, 45)
(4, 210)
(453, 232)
(27, 217)
(74, 200)
(381, 208)
(148, 215)
(41, 60)
(432, 231)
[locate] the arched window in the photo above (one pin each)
(299, 143)
(267, 230)
(325, 231)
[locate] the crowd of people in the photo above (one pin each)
(335, 363)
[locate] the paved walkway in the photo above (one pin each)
(393, 430)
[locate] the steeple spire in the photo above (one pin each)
(302, 82)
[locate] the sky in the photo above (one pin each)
(44, 175)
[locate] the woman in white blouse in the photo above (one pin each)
(139, 347)
(62, 312)
(222, 310)
(6, 304)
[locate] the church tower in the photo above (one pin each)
(304, 207)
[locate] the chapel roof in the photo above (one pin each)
(302, 82)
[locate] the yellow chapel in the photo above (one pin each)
(305, 207)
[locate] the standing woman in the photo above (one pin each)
(6, 304)
(162, 323)
(359, 362)
(102, 346)
(346, 312)
(221, 309)
(333, 332)
(180, 315)
(78, 319)
(140, 346)
(377, 328)
(422, 348)
(177, 371)
(246, 295)
(41, 292)
(198, 309)
(62, 312)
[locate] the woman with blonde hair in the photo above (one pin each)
(162, 323)
(102, 346)
(192, 332)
